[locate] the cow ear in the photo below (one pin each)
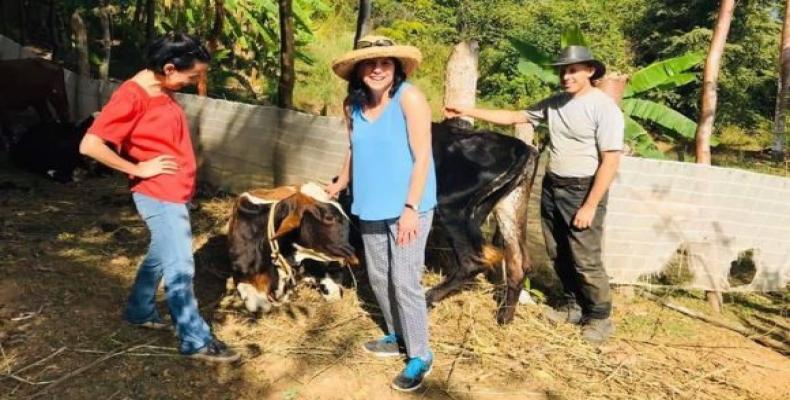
(296, 205)
(291, 222)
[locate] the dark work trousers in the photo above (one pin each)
(576, 253)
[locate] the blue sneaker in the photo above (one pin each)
(412, 376)
(387, 346)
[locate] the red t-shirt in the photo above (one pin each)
(143, 127)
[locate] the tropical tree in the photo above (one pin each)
(665, 75)
(784, 88)
(710, 80)
(285, 87)
(363, 20)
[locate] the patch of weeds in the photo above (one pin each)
(650, 324)
(291, 394)
(676, 272)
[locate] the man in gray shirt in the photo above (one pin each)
(585, 145)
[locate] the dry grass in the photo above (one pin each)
(68, 254)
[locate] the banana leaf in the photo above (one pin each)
(572, 36)
(530, 53)
(640, 141)
(660, 72)
(528, 68)
(677, 81)
(662, 115)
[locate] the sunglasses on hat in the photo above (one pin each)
(363, 44)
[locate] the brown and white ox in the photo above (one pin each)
(478, 173)
(273, 232)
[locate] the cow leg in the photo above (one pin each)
(471, 258)
(511, 216)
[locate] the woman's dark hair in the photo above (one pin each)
(176, 48)
(359, 94)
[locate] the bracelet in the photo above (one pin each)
(407, 205)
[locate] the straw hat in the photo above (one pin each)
(372, 46)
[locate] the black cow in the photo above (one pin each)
(478, 172)
(52, 149)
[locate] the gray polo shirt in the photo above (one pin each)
(579, 129)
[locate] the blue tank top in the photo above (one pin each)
(382, 164)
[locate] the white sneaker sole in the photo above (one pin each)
(380, 354)
(428, 372)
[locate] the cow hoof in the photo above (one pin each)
(430, 299)
(505, 315)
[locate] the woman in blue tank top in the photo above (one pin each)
(394, 192)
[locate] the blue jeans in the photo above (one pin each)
(169, 256)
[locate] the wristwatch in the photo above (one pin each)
(407, 205)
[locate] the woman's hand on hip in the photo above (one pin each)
(163, 164)
(408, 225)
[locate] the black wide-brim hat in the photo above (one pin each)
(580, 55)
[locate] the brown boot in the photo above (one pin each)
(567, 314)
(597, 331)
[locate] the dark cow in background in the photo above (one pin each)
(272, 233)
(36, 83)
(52, 149)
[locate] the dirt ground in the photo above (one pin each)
(68, 254)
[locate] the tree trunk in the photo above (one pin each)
(460, 77)
(3, 24)
(213, 42)
(22, 23)
(53, 34)
(784, 88)
(104, 17)
(286, 84)
(150, 18)
(138, 12)
(710, 81)
(216, 28)
(62, 30)
(363, 20)
(81, 40)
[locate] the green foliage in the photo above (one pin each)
(670, 119)
(247, 62)
(626, 35)
(747, 80)
(572, 37)
(667, 73)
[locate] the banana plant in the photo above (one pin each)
(664, 75)
(249, 35)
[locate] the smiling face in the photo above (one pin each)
(575, 78)
(377, 73)
(176, 80)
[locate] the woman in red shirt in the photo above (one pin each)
(148, 127)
